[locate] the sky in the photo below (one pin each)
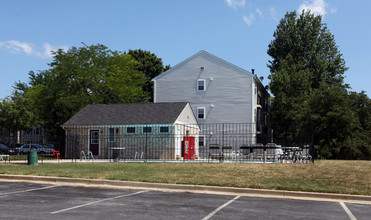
(238, 31)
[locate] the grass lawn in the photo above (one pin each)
(347, 177)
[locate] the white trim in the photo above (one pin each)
(167, 132)
(199, 108)
(209, 55)
(109, 135)
(154, 91)
(151, 127)
(188, 125)
(135, 130)
(95, 129)
(198, 86)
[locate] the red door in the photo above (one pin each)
(189, 147)
(94, 141)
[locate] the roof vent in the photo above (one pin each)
(261, 79)
(202, 68)
(253, 71)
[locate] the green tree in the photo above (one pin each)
(150, 65)
(15, 115)
(80, 76)
(361, 106)
(307, 83)
(304, 55)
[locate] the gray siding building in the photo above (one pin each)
(219, 93)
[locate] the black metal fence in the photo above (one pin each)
(237, 142)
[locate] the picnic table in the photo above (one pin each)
(296, 154)
(4, 157)
(262, 151)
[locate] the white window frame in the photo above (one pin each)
(135, 130)
(198, 85)
(164, 132)
(111, 135)
(198, 110)
(203, 141)
(147, 132)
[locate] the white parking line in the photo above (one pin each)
(27, 190)
(350, 214)
(220, 207)
(91, 203)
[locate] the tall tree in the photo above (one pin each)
(306, 64)
(150, 65)
(81, 76)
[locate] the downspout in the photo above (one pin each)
(65, 141)
(154, 91)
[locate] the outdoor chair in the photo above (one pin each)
(56, 154)
(245, 151)
(258, 151)
(227, 153)
(214, 152)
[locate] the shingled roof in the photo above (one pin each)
(127, 114)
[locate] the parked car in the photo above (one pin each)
(6, 150)
(38, 147)
(51, 146)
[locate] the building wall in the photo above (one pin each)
(228, 95)
(156, 144)
(187, 116)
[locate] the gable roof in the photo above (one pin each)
(203, 53)
(127, 114)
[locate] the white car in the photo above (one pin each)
(38, 147)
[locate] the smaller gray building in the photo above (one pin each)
(132, 131)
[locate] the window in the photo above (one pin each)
(37, 131)
(130, 130)
(201, 112)
(201, 141)
(94, 137)
(164, 129)
(201, 85)
(147, 129)
(111, 135)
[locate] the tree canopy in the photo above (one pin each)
(150, 65)
(87, 75)
(311, 102)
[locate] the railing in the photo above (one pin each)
(228, 142)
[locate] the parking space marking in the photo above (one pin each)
(350, 214)
(91, 203)
(27, 190)
(220, 208)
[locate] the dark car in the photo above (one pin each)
(51, 146)
(6, 150)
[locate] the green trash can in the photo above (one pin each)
(32, 157)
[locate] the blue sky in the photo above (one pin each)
(237, 31)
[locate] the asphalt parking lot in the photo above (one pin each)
(21, 200)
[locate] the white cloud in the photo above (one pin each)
(17, 47)
(249, 20)
(235, 3)
(333, 10)
(274, 14)
(29, 49)
(49, 48)
(317, 7)
(259, 12)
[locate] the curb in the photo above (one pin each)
(191, 188)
